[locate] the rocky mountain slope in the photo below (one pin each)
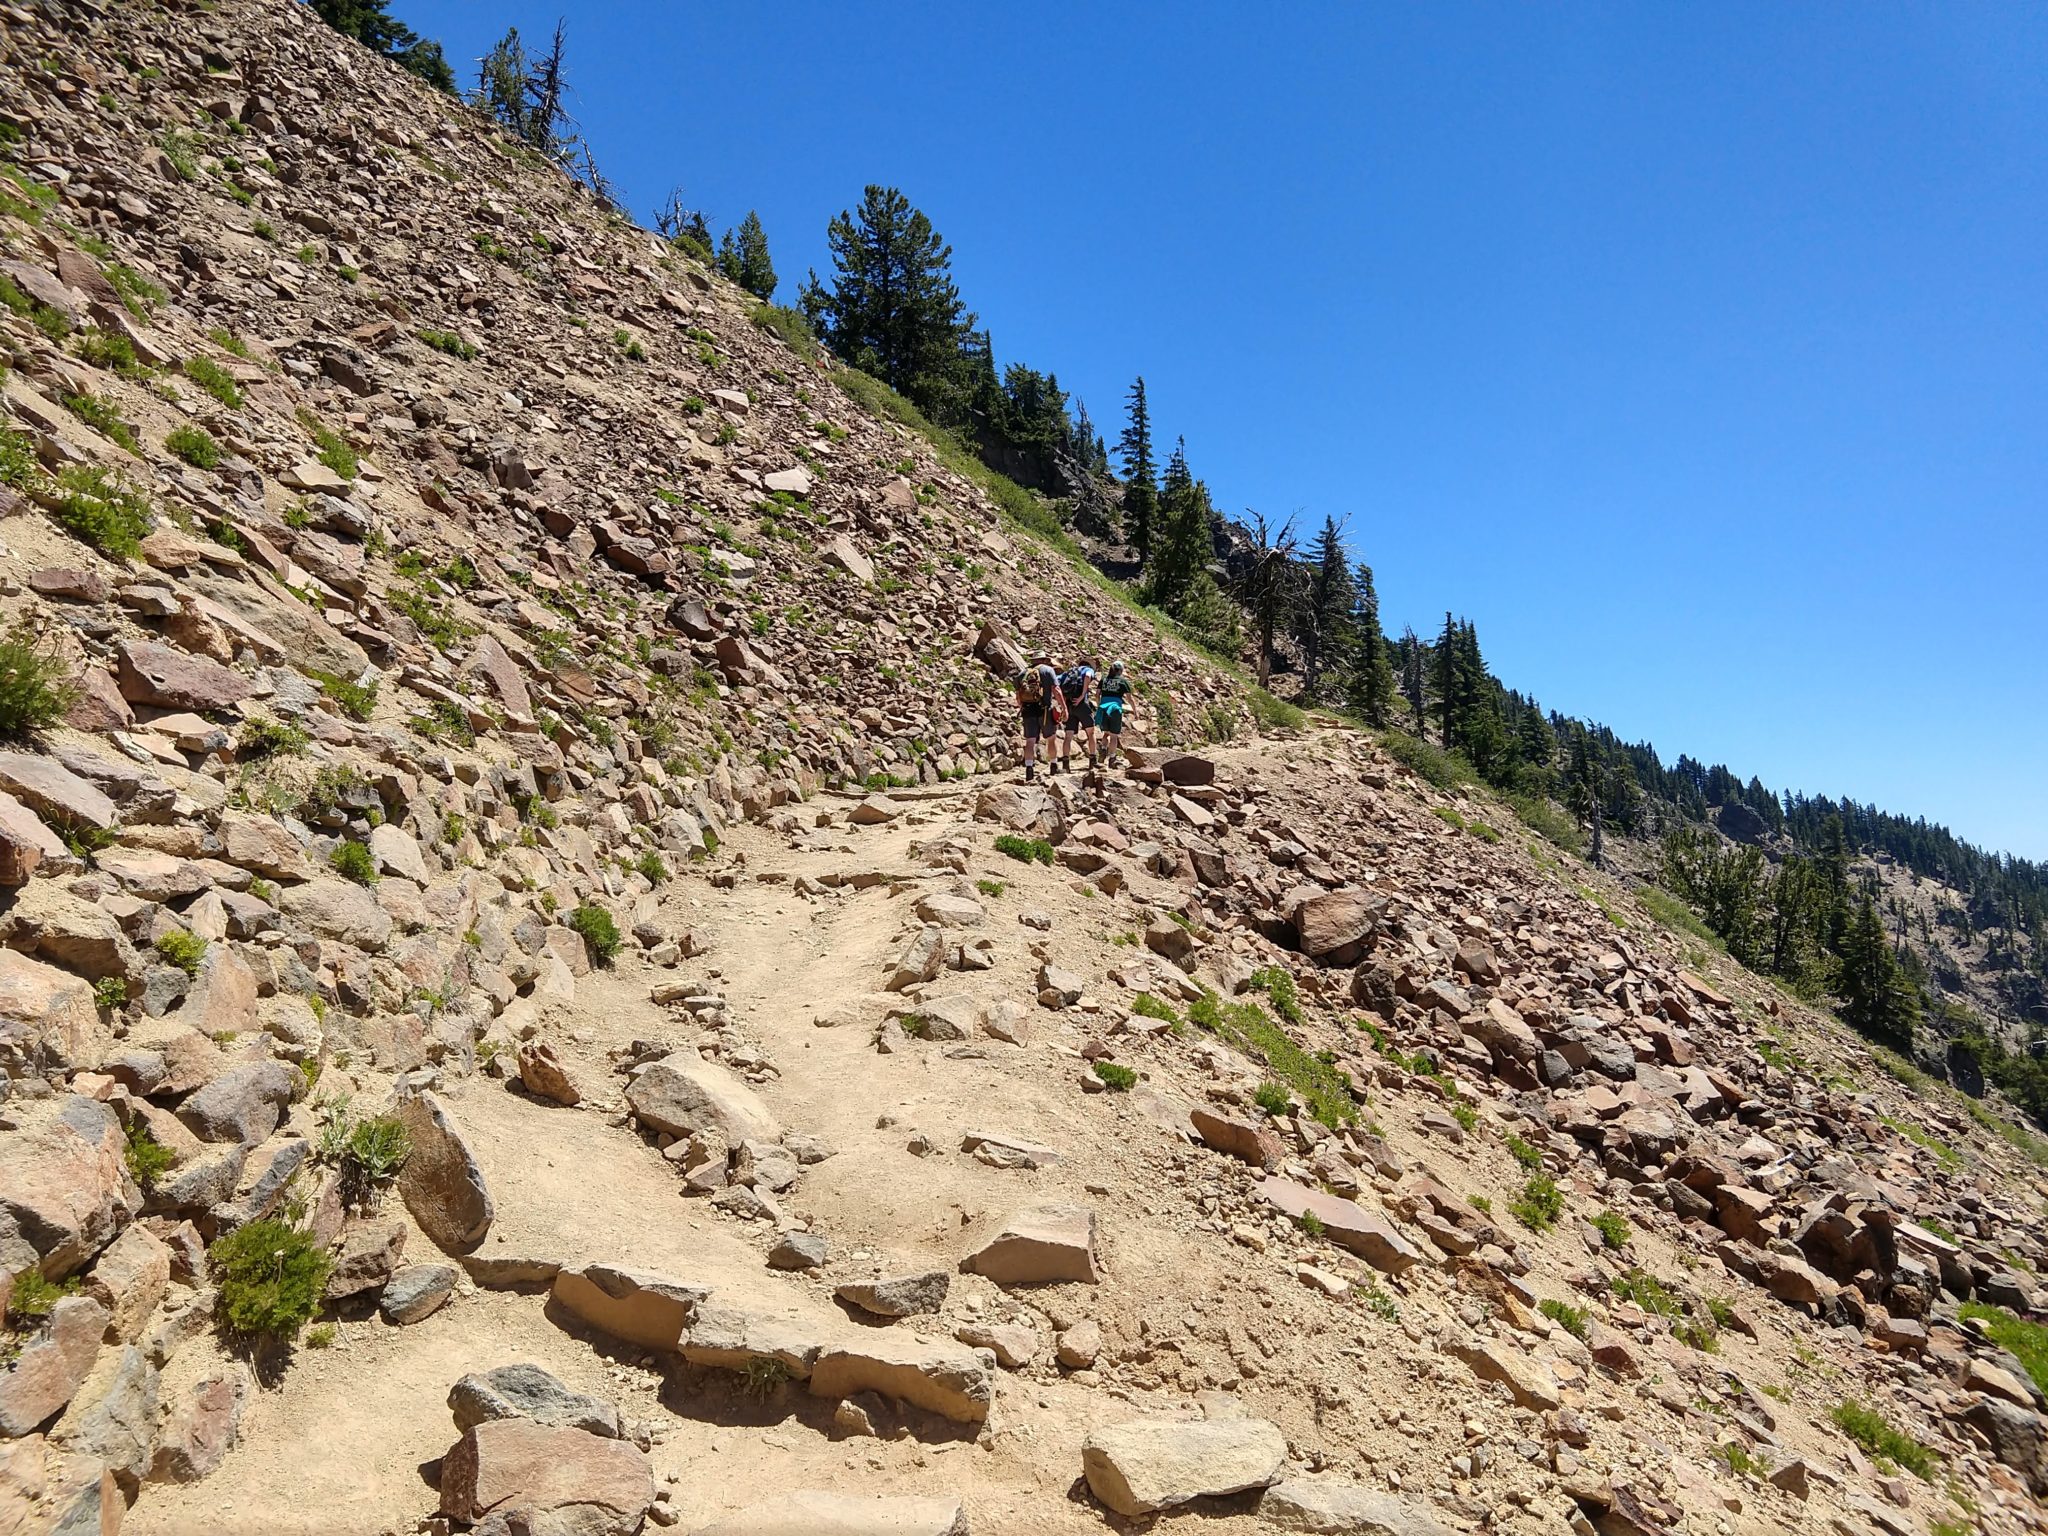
(529, 830)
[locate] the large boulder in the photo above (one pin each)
(546, 1480)
(66, 930)
(1154, 1464)
(64, 1182)
(243, 1104)
(1022, 808)
(684, 1094)
(130, 1280)
(25, 841)
(174, 679)
(1039, 1245)
(1334, 925)
(442, 1181)
(48, 1017)
(262, 844)
(812, 1512)
(338, 910)
(113, 1415)
(528, 1392)
(52, 1366)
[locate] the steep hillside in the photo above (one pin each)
(533, 1001)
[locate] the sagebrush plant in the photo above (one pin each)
(353, 861)
(182, 948)
(35, 684)
(599, 932)
(271, 1276)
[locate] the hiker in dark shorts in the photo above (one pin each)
(1036, 685)
(1112, 699)
(1074, 685)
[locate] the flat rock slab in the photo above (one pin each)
(946, 1378)
(905, 1295)
(1252, 1141)
(1531, 1382)
(1149, 1465)
(642, 1308)
(1372, 1237)
(808, 1512)
(1040, 1245)
(1342, 1509)
(416, 1293)
(1004, 1151)
(561, 1480)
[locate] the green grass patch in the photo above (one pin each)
(104, 508)
(1277, 982)
(1674, 914)
(104, 418)
(1428, 762)
(1875, 1434)
(1543, 818)
(1325, 1090)
(1539, 1204)
(1613, 1228)
(790, 326)
(2026, 1342)
(1152, 1008)
(1117, 1079)
(1526, 1153)
(353, 861)
(449, 343)
(1568, 1317)
(1944, 1154)
(598, 930)
(336, 452)
(195, 445)
(1274, 714)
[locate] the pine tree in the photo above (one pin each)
(1443, 670)
(370, 23)
(527, 96)
(1325, 614)
(743, 257)
(893, 309)
(1878, 999)
(1183, 534)
(1372, 678)
(1141, 494)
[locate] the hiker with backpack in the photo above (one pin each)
(1112, 699)
(1074, 685)
(1038, 697)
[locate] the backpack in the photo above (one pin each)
(1030, 687)
(1074, 684)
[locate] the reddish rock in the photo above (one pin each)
(64, 1183)
(174, 679)
(550, 1477)
(52, 1366)
(202, 1426)
(1254, 1141)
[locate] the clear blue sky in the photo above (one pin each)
(1699, 354)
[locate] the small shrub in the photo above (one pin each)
(110, 993)
(271, 1276)
(148, 1159)
(990, 888)
(1741, 1462)
(450, 343)
(653, 868)
(104, 418)
(110, 350)
(353, 861)
(1382, 1305)
(763, 1376)
(261, 738)
(1647, 1292)
(1539, 1204)
(790, 325)
(598, 930)
(1530, 1157)
(1874, 1433)
(1024, 849)
(1310, 1223)
(34, 1296)
(182, 948)
(1613, 1228)
(1448, 817)
(1117, 1079)
(321, 1336)
(195, 445)
(1546, 821)
(103, 508)
(1480, 1203)
(1462, 1111)
(1568, 1317)
(1273, 1098)
(356, 700)
(35, 685)
(138, 294)
(335, 450)
(1482, 831)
